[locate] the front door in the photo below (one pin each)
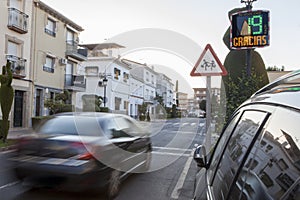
(18, 108)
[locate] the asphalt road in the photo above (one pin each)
(171, 175)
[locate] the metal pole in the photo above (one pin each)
(248, 62)
(104, 100)
(208, 112)
(248, 52)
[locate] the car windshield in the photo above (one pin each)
(71, 125)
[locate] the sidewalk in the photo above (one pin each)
(16, 133)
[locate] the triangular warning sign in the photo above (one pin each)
(208, 64)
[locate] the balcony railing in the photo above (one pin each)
(17, 20)
(17, 65)
(74, 81)
(73, 50)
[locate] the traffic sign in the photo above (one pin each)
(249, 29)
(208, 64)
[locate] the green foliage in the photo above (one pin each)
(6, 98)
(59, 103)
(174, 113)
(104, 109)
(202, 105)
(91, 103)
(142, 109)
(159, 99)
(240, 89)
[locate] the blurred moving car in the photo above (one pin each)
(257, 155)
(80, 151)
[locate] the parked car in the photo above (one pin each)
(257, 155)
(83, 151)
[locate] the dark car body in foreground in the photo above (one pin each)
(83, 151)
(257, 155)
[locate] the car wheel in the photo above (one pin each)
(114, 183)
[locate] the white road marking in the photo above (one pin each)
(171, 154)
(184, 132)
(9, 185)
(172, 148)
(180, 182)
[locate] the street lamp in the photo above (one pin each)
(104, 82)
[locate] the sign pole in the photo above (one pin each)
(248, 53)
(208, 111)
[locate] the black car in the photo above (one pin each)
(83, 151)
(257, 155)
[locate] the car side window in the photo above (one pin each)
(123, 127)
(219, 148)
(238, 146)
(272, 170)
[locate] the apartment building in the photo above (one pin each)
(164, 88)
(15, 37)
(136, 98)
(149, 77)
(56, 56)
(106, 76)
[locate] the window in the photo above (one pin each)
(239, 145)
(117, 73)
(51, 27)
(13, 48)
(125, 105)
(117, 103)
(276, 172)
(219, 148)
(69, 74)
(125, 77)
(49, 65)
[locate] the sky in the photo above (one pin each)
(173, 33)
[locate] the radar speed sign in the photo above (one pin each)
(249, 29)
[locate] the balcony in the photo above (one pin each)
(17, 21)
(17, 66)
(76, 52)
(75, 82)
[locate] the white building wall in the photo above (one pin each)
(117, 86)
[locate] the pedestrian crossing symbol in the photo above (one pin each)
(208, 64)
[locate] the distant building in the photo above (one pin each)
(183, 103)
(164, 88)
(148, 77)
(136, 98)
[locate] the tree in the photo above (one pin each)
(59, 103)
(142, 109)
(202, 105)
(274, 68)
(6, 98)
